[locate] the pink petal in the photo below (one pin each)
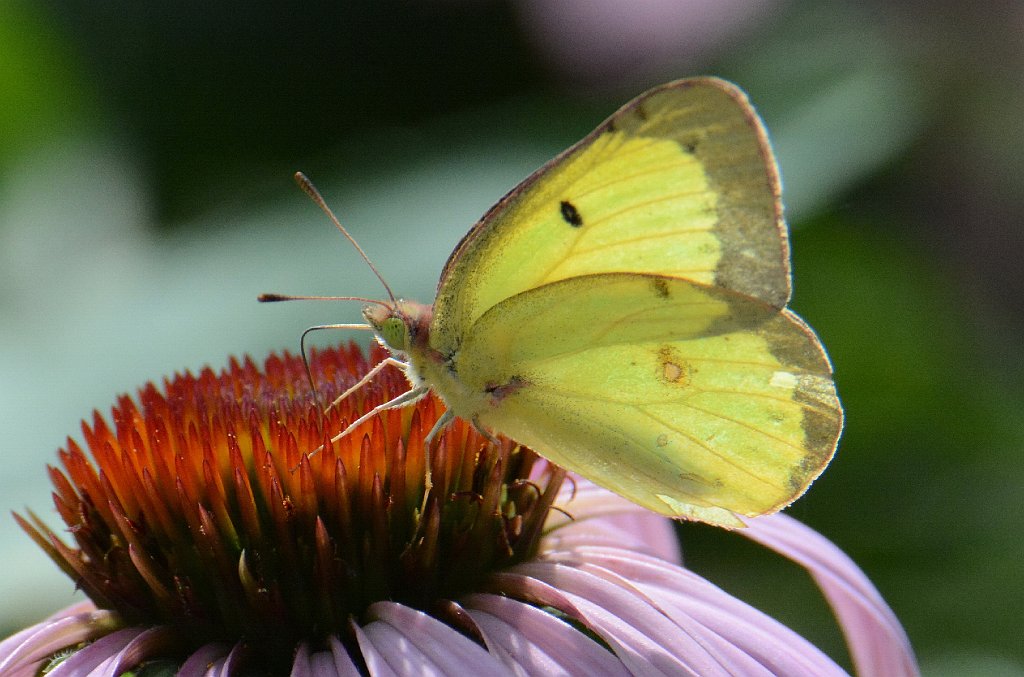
(375, 663)
(539, 643)
(154, 641)
(233, 663)
(399, 652)
(877, 641)
(321, 663)
(10, 663)
(35, 643)
(204, 659)
(599, 517)
(440, 644)
(741, 637)
(97, 657)
(344, 666)
(301, 664)
(645, 640)
(336, 661)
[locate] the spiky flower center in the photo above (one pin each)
(205, 512)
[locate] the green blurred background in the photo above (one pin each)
(145, 200)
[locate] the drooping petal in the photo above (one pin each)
(302, 665)
(398, 655)
(344, 666)
(155, 641)
(328, 663)
(643, 638)
(439, 644)
(33, 644)
(537, 642)
(97, 657)
(877, 641)
(376, 664)
(741, 637)
(208, 657)
(335, 662)
(635, 549)
(321, 664)
(232, 663)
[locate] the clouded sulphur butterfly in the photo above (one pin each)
(622, 312)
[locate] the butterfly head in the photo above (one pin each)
(400, 325)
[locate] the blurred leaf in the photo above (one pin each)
(42, 91)
(925, 487)
(838, 97)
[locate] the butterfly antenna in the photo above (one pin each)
(274, 298)
(307, 186)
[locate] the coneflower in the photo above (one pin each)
(209, 541)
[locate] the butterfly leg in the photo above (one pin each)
(446, 418)
(480, 429)
(403, 400)
(442, 423)
(366, 379)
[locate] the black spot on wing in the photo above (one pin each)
(570, 214)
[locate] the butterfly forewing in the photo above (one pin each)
(679, 182)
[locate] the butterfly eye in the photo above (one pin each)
(395, 333)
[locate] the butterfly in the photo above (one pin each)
(622, 313)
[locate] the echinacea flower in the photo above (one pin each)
(211, 542)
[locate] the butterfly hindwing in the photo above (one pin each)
(691, 400)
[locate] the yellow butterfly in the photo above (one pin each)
(622, 312)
